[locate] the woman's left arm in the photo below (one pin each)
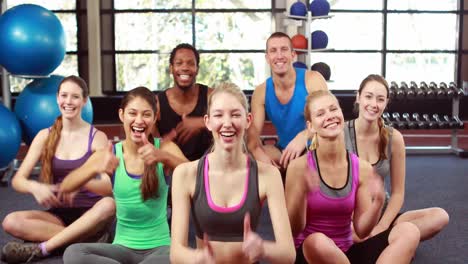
(397, 179)
(173, 156)
(270, 183)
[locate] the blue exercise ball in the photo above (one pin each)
(36, 106)
(319, 8)
(10, 136)
(298, 9)
(319, 39)
(299, 64)
(32, 40)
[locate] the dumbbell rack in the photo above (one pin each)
(450, 149)
(308, 20)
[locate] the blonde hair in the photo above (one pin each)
(313, 96)
(234, 90)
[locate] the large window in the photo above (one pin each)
(66, 13)
(411, 40)
(230, 36)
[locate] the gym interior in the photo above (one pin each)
(420, 47)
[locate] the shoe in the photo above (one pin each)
(16, 252)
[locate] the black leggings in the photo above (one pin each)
(365, 252)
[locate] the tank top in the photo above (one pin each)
(288, 118)
(61, 168)
(196, 146)
(329, 210)
(140, 224)
(382, 166)
(224, 223)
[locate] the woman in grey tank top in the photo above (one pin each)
(384, 148)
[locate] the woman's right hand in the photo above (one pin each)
(205, 255)
(45, 194)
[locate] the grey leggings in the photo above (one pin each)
(110, 253)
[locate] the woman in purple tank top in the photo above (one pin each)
(329, 187)
(61, 149)
(225, 193)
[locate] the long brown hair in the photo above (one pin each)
(309, 100)
(149, 183)
(383, 130)
(54, 134)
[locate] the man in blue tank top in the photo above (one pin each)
(182, 107)
(282, 97)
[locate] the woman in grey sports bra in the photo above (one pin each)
(384, 148)
(225, 192)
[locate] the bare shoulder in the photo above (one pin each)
(258, 95)
(100, 140)
(315, 81)
(40, 138)
(266, 169)
(185, 174)
(397, 139)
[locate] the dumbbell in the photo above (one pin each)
(458, 122)
(420, 124)
(410, 93)
(397, 122)
(430, 124)
(410, 124)
(401, 92)
(393, 89)
(417, 90)
(444, 90)
(428, 92)
(386, 118)
(449, 122)
(434, 89)
(457, 91)
(440, 123)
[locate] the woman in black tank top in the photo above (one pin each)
(225, 191)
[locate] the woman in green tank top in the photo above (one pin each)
(140, 191)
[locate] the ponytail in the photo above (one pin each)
(48, 151)
(383, 133)
(150, 180)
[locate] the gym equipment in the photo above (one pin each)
(10, 136)
(319, 39)
(420, 124)
(393, 89)
(430, 124)
(299, 41)
(323, 68)
(410, 93)
(32, 42)
(440, 123)
(457, 91)
(386, 118)
(319, 8)
(449, 122)
(443, 90)
(400, 124)
(436, 91)
(401, 92)
(299, 64)
(458, 122)
(36, 106)
(418, 92)
(298, 9)
(409, 124)
(428, 92)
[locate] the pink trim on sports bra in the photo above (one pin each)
(211, 203)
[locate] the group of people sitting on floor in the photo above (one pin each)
(324, 180)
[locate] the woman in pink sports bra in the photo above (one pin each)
(224, 191)
(330, 189)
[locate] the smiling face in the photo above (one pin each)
(280, 55)
(372, 100)
(325, 116)
(184, 68)
(70, 100)
(228, 120)
(138, 117)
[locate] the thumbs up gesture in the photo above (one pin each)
(148, 153)
(205, 255)
(253, 243)
(104, 160)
